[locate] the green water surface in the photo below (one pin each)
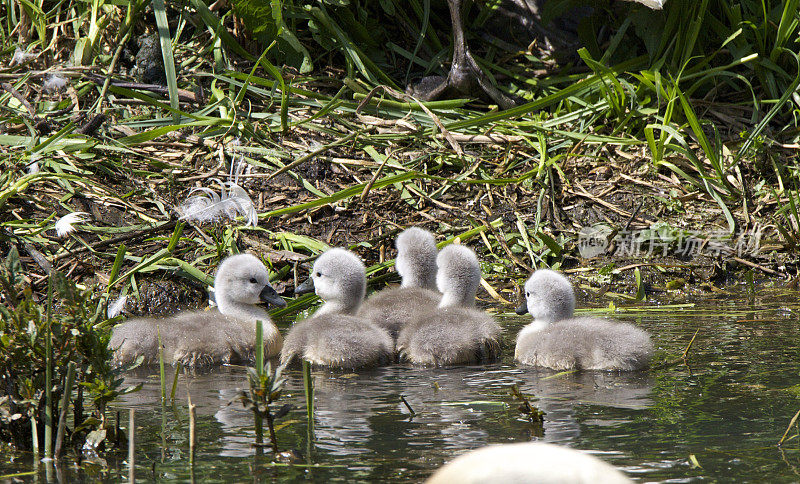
(728, 407)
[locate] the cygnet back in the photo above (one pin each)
(333, 336)
(393, 308)
(586, 344)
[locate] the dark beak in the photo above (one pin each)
(305, 287)
(523, 308)
(268, 295)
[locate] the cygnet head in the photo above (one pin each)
(416, 258)
(548, 297)
(338, 278)
(243, 280)
(458, 276)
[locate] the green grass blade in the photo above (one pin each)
(161, 373)
(308, 387)
(48, 378)
(165, 39)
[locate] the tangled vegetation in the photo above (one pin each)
(673, 125)
(45, 349)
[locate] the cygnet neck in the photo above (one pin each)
(544, 316)
(419, 279)
(458, 299)
(339, 307)
(536, 325)
(238, 310)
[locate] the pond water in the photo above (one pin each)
(717, 417)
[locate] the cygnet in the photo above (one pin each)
(455, 332)
(220, 335)
(394, 307)
(334, 336)
(527, 463)
(557, 340)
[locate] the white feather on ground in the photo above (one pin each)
(210, 206)
(20, 57)
(66, 224)
(33, 165)
(116, 307)
(654, 4)
(54, 83)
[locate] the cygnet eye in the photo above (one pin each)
(253, 280)
(527, 294)
(318, 274)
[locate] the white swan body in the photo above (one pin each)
(527, 463)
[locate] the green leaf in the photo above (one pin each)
(640, 294)
(13, 266)
(551, 244)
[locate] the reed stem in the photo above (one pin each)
(34, 437)
(259, 348)
(408, 405)
(175, 383)
(192, 429)
(65, 399)
(48, 376)
(308, 386)
(272, 438)
(163, 397)
(789, 428)
(259, 424)
(161, 374)
(131, 446)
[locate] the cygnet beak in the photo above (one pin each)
(305, 287)
(268, 295)
(523, 308)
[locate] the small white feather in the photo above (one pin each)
(654, 4)
(54, 83)
(20, 57)
(212, 206)
(244, 204)
(66, 224)
(238, 166)
(116, 307)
